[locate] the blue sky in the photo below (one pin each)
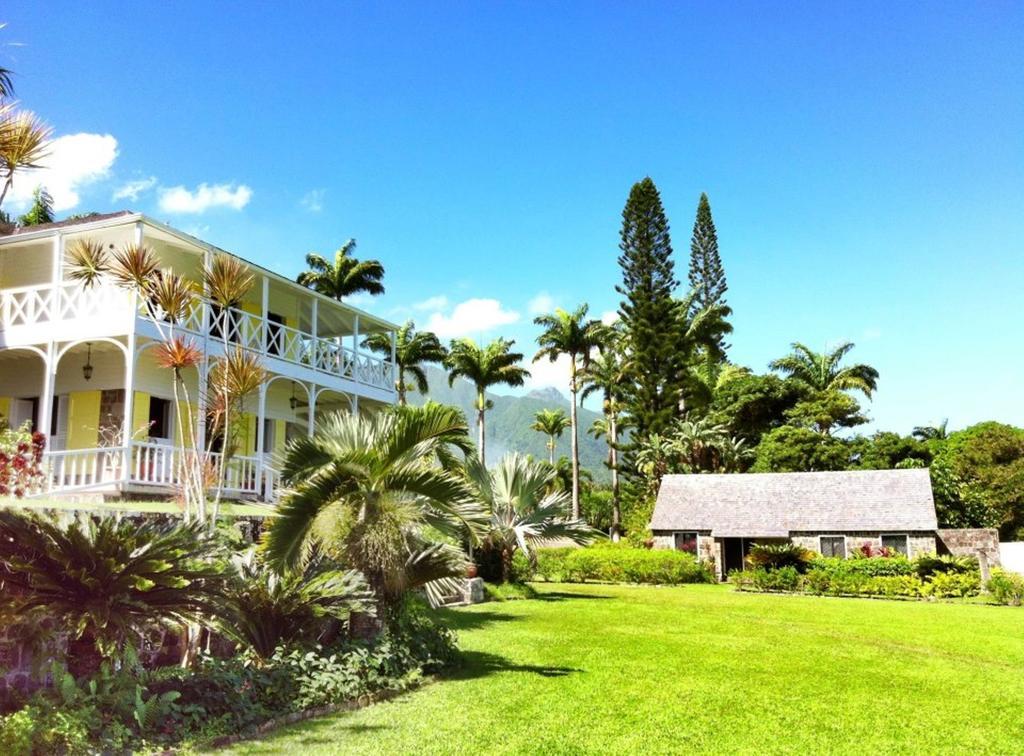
(864, 161)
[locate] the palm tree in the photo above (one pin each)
(938, 432)
(493, 365)
(821, 371)
(345, 276)
(6, 83)
(368, 493)
(552, 423)
(571, 334)
(106, 582)
(709, 377)
(523, 510)
(412, 349)
(607, 374)
(24, 143)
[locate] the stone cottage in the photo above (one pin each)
(719, 517)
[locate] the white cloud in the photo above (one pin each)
(74, 162)
(432, 303)
(541, 304)
(544, 373)
(178, 199)
(132, 190)
(470, 317)
(313, 200)
(609, 317)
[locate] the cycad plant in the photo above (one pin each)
(523, 511)
(105, 582)
(263, 608)
(379, 495)
(552, 423)
(413, 349)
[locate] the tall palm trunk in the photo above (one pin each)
(575, 443)
(551, 450)
(481, 437)
(613, 453)
(400, 385)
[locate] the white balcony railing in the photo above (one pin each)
(71, 302)
(150, 464)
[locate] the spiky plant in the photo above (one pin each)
(105, 582)
(134, 267)
(228, 280)
(492, 365)
(524, 512)
(343, 277)
(369, 493)
(413, 349)
(173, 294)
(552, 423)
(87, 261)
(24, 144)
(263, 608)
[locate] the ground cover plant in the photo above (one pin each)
(806, 674)
(615, 563)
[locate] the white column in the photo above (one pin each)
(314, 330)
(127, 431)
(50, 378)
(261, 413)
(394, 357)
(355, 348)
(204, 364)
(311, 426)
(265, 329)
(46, 400)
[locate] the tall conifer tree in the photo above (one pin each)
(706, 269)
(650, 316)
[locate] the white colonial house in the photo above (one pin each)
(78, 363)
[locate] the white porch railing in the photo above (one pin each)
(157, 465)
(33, 305)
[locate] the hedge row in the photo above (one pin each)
(824, 583)
(608, 563)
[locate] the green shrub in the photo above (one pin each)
(1006, 588)
(869, 566)
(953, 584)
(932, 564)
(509, 591)
(773, 556)
(621, 563)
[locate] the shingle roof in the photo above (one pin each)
(92, 218)
(775, 504)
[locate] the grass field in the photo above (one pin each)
(657, 670)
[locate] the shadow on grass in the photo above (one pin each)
(480, 664)
(458, 620)
(563, 596)
(326, 730)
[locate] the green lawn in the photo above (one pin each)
(654, 670)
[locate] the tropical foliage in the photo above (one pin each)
(552, 423)
(413, 349)
(343, 277)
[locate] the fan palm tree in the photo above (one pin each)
(492, 365)
(24, 144)
(105, 582)
(412, 350)
(523, 510)
(368, 493)
(345, 276)
(938, 432)
(552, 423)
(822, 371)
(607, 373)
(572, 335)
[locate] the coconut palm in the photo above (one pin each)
(932, 432)
(573, 335)
(552, 423)
(24, 144)
(524, 512)
(105, 582)
(709, 377)
(413, 349)
(822, 371)
(606, 374)
(492, 365)
(343, 277)
(368, 493)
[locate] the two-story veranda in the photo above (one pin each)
(78, 363)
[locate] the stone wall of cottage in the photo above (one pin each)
(920, 542)
(971, 542)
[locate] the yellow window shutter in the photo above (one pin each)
(5, 408)
(280, 436)
(140, 416)
(83, 420)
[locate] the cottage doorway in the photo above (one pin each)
(733, 553)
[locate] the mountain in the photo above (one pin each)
(509, 421)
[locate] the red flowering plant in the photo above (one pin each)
(21, 460)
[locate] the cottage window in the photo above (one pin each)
(832, 546)
(896, 544)
(687, 542)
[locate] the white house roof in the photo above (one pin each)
(776, 504)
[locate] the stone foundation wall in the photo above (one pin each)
(917, 542)
(971, 542)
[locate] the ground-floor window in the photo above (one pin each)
(686, 541)
(832, 546)
(896, 544)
